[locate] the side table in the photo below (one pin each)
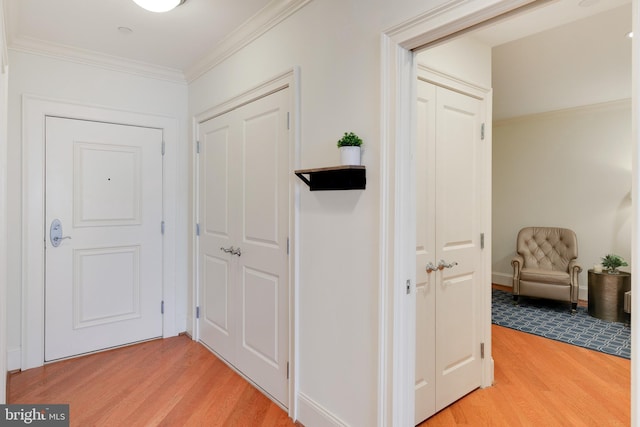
(606, 295)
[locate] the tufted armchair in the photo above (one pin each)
(546, 264)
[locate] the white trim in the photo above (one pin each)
(570, 111)
(274, 13)
(14, 359)
(316, 415)
(635, 235)
(95, 59)
(502, 279)
(288, 79)
(397, 311)
(34, 111)
(4, 90)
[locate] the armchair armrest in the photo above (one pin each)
(574, 272)
(517, 262)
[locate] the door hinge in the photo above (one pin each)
(197, 229)
(162, 227)
(481, 240)
(197, 312)
(408, 286)
(482, 132)
(197, 147)
(161, 307)
(287, 246)
(288, 120)
(287, 370)
(481, 350)
(163, 147)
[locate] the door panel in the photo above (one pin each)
(103, 285)
(458, 363)
(218, 183)
(448, 364)
(263, 352)
(246, 152)
(425, 387)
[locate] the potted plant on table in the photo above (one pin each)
(349, 146)
(612, 262)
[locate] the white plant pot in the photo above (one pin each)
(350, 155)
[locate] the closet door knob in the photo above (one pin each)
(442, 264)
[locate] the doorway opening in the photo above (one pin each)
(398, 273)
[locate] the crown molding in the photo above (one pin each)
(617, 104)
(270, 16)
(96, 59)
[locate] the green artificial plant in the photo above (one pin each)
(350, 139)
(612, 262)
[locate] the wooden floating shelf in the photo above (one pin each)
(334, 178)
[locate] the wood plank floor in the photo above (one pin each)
(177, 382)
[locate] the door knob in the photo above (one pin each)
(55, 233)
(442, 264)
(231, 250)
(430, 267)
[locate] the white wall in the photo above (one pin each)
(465, 58)
(336, 44)
(4, 78)
(570, 168)
(74, 82)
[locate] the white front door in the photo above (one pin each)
(244, 222)
(448, 329)
(103, 284)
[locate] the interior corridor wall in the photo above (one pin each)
(336, 45)
(4, 79)
(86, 85)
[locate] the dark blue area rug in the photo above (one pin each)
(553, 319)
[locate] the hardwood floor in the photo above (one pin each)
(170, 382)
(178, 382)
(541, 382)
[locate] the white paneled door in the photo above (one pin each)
(243, 256)
(448, 171)
(103, 281)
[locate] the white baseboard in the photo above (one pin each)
(583, 293)
(313, 414)
(503, 279)
(14, 359)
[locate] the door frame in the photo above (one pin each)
(35, 110)
(396, 348)
(288, 79)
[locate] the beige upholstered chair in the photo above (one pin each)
(546, 264)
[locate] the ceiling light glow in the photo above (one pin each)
(159, 5)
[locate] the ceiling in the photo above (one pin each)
(174, 40)
(177, 40)
(543, 16)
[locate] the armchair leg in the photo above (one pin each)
(574, 306)
(515, 299)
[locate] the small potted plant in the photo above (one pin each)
(612, 262)
(349, 146)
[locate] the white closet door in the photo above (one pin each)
(425, 400)
(448, 363)
(458, 320)
(244, 209)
